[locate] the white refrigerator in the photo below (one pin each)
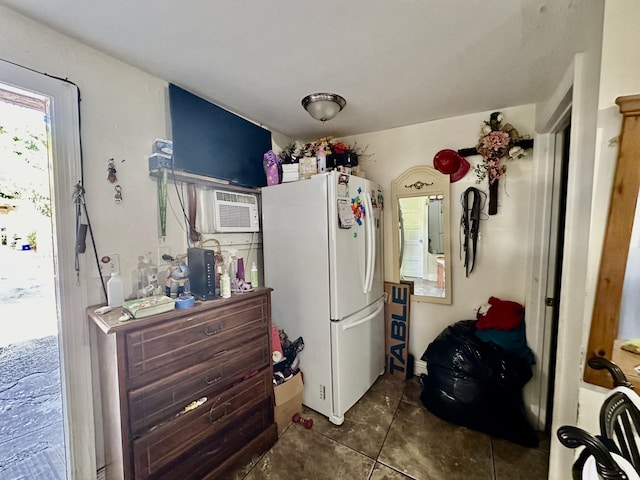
(322, 245)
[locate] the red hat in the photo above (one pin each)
(451, 163)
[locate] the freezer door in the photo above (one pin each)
(352, 245)
(357, 357)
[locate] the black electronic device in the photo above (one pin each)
(202, 273)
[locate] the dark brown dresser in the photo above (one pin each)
(186, 394)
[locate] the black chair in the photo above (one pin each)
(613, 453)
(605, 463)
(619, 379)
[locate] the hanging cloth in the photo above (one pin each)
(81, 228)
(162, 202)
(472, 202)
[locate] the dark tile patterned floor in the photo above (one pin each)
(390, 435)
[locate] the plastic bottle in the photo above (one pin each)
(225, 285)
(240, 273)
(138, 279)
(151, 269)
(322, 160)
(233, 263)
(254, 275)
(115, 290)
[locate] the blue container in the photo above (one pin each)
(159, 160)
(185, 301)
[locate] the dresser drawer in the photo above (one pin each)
(178, 344)
(211, 456)
(254, 432)
(160, 447)
(166, 397)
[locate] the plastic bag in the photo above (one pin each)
(477, 384)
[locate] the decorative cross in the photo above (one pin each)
(497, 143)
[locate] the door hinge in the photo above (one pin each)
(550, 302)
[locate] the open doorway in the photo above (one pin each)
(69, 284)
(32, 420)
(556, 255)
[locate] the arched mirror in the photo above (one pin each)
(421, 254)
(616, 291)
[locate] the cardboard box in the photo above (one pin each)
(396, 314)
(288, 400)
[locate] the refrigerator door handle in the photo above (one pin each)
(371, 243)
(365, 319)
(368, 271)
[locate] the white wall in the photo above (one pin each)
(123, 109)
(502, 249)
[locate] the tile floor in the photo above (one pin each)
(390, 435)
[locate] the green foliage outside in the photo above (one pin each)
(24, 150)
(31, 240)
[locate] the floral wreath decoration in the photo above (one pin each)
(330, 145)
(497, 143)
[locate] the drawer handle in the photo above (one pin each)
(216, 330)
(216, 379)
(217, 414)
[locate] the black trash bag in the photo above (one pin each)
(477, 384)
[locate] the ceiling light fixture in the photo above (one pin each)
(323, 106)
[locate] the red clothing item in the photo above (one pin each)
(503, 315)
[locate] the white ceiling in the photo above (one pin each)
(397, 62)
